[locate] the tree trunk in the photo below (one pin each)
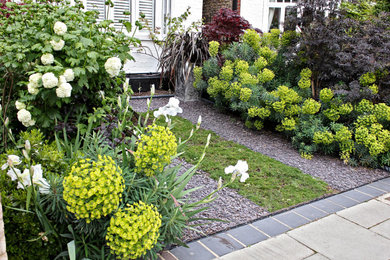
(3, 251)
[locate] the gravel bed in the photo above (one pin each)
(231, 206)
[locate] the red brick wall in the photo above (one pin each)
(211, 7)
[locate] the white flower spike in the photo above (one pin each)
(11, 161)
(241, 169)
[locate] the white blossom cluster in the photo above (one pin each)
(34, 175)
(170, 109)
(64, 88)
(49, 80)
(24, 116)
(113, 66)
(35, 81)
(47, 59)
(57, 46)
(60, 28)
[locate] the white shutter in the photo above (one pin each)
(99, 6)
(121, 6)
(147, 8)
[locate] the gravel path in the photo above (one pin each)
(229, 205)
(232, 207)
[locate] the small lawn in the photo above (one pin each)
(272, 184)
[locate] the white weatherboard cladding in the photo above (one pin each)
(121, 6)
(147, 8)
(97, 5)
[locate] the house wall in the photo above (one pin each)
(211, 8)
(255, 12)
(178, 7)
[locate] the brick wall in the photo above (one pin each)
(211, 7)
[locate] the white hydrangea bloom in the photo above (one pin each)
(61, 80)
(29, 123)
(57, 46)
(47, 59)
(19, 105)
(24, 116)
(69, 75)
(32, 88)
(64, 90)
(170, 109)
(49, 80)
(35, 78)
(12, 160)
(241, 169)
(113, 66)
(60, 28)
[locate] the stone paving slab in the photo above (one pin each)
(382, 229)
(338, 238)
(367, 214)
(280, 247)
(317, 257)
(342, 235)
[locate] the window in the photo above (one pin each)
(97, 5)
(277, 12)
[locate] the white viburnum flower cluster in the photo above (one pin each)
(170, 109)
(19, 105)
(24, 116)
(113, 66)
(240, 169)
(49, 80)
(64, 88)
(34, 83)
(34, 175)
(60, 28)
(47, 59)
(57, 46)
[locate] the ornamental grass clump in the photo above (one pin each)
(134, 231)
(93, 189)
(155, 149)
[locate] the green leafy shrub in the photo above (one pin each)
(155, 149)
(134, 230)
(58, 58)
(93, 189)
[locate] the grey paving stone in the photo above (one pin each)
(270, 226)
(358, 196)
(370, 191)
(343, 201)
(195, 251)
(326, 205)
(280, 247)
(367, 214)
(291, 219)
(317, 257)
(382, 229)
(387, 180)
(381, 185)
(247, 235)
(309, 212)
(221, 244)
(338, 238)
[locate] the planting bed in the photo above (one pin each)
(232, 207)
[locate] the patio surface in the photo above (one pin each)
(350, 225)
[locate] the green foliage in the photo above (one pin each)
(93, 189)
(154, 150)
(65, 45)
(133, 231)
(213, 48)
(367, 79)
(326, 95)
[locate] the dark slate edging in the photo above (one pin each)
(277, 223)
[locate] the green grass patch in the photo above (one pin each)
(271, 184)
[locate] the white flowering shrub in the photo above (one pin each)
(62, 61)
